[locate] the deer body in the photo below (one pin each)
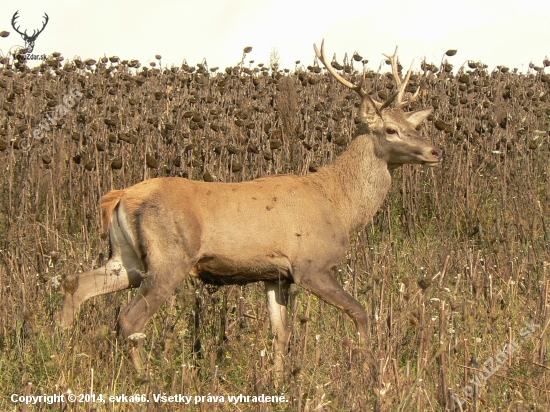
(280, 229)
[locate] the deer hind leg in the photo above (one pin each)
(110, 278)
(123, 270)
(277, 300)
(159, 283)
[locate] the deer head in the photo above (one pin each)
(29, 40)
(398, 140)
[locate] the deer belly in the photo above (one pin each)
(217, 271)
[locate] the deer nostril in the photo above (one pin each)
(435, 153)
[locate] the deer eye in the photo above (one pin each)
(389, 130)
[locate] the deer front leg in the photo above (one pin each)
(277, 300)
(324, 286)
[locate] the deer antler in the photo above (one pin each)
(401, 84)
(321, 56)
(369, 107)
(358, 88)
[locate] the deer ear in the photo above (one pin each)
(418, 116)
(368, 111)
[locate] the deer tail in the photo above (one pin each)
(108, 203)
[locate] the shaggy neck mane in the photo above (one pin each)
(357, 182)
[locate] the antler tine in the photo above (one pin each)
(400, 103)
(321, 56)
(393, 63)
(388, 101)
(401, 84)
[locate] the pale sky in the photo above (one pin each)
(507, 32)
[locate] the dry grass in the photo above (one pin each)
(450, 271)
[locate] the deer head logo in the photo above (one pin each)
(29, 40)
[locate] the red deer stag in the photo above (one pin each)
(280, 229)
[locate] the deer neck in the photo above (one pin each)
(358, 181)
